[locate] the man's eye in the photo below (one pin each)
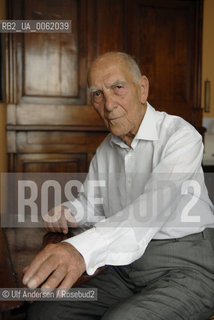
(97, 93)
(119, 87)
(97, 96)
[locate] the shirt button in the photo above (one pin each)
(129, 153)
(129, 181)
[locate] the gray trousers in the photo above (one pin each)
(173, 280)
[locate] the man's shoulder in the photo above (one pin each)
(173, 124)
(105, 144)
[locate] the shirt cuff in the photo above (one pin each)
(92, 247)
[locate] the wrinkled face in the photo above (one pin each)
(117, 98)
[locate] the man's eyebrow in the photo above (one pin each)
(113, 84)
(117, 82)
(93, 89)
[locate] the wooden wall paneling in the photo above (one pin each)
(92, 37)
(11, 68)
(167, 44)
(56, 141)
(197, 113)
(106, 27)
(110, 25)
(11, 162)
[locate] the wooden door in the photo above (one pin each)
(165, 37)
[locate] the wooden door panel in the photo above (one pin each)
(52, 58)
(48, 67)
(47, 151)
(168, 49)
(58, 141)
(67, 163)
(109, 26)
(54, 115)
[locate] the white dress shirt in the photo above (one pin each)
(152, 190)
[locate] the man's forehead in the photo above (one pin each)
(107, 81)
(108, 84)
(108, 72)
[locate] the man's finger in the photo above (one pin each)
(56, 227)
(50, 222)
(54, 280)
(68, 282)
(25, 269)
(42, 273)
(63, 224)
(71, 221)
(35, 264)
(48, 226)
(53, 227)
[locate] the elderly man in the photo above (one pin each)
(154, 232)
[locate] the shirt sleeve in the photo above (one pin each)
(123, 238)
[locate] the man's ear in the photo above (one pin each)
(144, 88)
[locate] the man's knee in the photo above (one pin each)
(118, 311)
(111, 315)
(42, 311)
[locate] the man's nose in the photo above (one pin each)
(110, 103)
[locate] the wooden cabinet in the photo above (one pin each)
(50, 124)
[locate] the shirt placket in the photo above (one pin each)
(129, 167)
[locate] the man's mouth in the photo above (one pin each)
(113, 118)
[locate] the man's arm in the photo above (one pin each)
(62, 259)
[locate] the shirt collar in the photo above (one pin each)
(146, 131)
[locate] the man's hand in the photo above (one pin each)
(56, 266)
(58, 219)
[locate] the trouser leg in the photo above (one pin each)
(112, 286)
(174, 296)
(179, 279)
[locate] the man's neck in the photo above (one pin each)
(128, 138)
